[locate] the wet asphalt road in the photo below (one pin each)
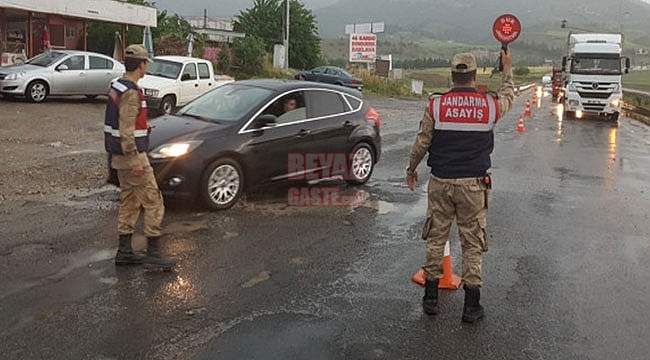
(565, 275)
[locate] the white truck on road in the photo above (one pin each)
(592, 73)
(173, 81)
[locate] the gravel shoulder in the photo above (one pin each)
(52, 148)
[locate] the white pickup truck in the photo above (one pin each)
(173, 81)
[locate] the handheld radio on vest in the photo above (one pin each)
(506, 29)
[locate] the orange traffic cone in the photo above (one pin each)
(448, 280)
(527, 108)
(520, 126)
(534, 97)
(419, 277)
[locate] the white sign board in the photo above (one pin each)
(363, 48)
(378, 27)
(363, 28)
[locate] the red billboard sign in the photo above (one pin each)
(363, 48)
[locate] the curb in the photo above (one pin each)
(636, 116)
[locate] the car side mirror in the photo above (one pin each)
(185, 77)
(265, 120)
(62, 67)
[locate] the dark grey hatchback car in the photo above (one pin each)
(239, 136)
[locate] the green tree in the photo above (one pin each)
(249, 55)
(169, 30)
(265, 21)
(224, 60)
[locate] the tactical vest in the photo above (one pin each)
(112, 139)
(463, 137)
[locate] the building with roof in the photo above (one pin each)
(29, 27)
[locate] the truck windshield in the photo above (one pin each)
(164, 68)
(596, 65)
(226, 103)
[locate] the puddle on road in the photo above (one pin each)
(382, 207)
(82, 260)
(261, 277)
(186, 226)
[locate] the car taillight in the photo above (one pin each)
(353, 81)
(373, 115)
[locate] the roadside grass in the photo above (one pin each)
(639, 80)
(437, 80)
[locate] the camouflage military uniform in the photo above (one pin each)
(452, 196)
(136, 191)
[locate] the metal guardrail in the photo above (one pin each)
(636, 112)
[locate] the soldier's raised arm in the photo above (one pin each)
(507, 89)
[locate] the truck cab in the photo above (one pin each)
(592, 76)
(173, 81)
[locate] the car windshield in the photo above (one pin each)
(46, 59)
(164, 68)
(227, 103)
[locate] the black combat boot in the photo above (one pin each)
(430, 299)
(472, 310)
(125, 254)
(154, 258)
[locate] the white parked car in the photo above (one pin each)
(60, 72)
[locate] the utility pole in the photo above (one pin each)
(286, 36)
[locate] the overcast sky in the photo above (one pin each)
(220, 8)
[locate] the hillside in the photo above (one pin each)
(436, 28)
(470, 21)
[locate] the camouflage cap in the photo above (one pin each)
(463, 63)
(137, 51)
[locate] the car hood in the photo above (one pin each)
(20, 68)
(171, 127)
(154, 82)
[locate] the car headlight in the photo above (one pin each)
(574, 103)
(175, 149)
(151, 92)
(615, 103)
(15, 76)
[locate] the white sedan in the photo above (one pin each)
(60, 72)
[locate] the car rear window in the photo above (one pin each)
(324, 103)
(355, 103)
(97, 62)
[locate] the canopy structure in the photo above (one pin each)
(120, 12)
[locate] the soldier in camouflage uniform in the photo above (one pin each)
(126, 138)
(457, 131)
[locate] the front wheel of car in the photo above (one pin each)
(222, 184)
(167, 104)
(37, 91)
(362, 163)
